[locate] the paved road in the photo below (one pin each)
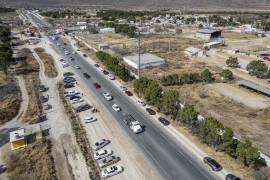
(169, 159)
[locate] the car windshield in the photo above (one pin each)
(213, 162)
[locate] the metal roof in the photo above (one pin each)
(16, 135)
(192, 50)
(145, 58)
(208, 31)
(254, 86)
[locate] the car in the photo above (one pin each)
(90, 119)
(107, 96)
(71, 58)
(231, 177)
(69, 78)
(111, 171)
(77, 67)
(111, 77)
(64, 65)
(67, 74)
(87, 76)
(108, 161)
(141, 103)
(105, 72)
(77, 100)
(128, 93)
(214, 165)
(67, 53)
(150, 111)
(74, 97)
(3, 168)
(116, 108)
(100, 144)
(96, 65)
(44, 99)
(102, 154)
(97, 86)
(43, 88)
(69, 85)
(62, 60)
(164, 121)
(47, 106)
(84, 55)
(123, 88)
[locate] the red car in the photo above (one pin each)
(128, 93)
(97, 86)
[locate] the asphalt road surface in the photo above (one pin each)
(169, 159)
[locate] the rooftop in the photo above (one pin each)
(192, 50)
(208, 31)
(145, 58)
(253, 86)
(16, 135)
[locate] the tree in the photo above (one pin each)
(168, 102)
(247, 153)
(152, 93)
(226, 74)
(5, 60)
(189, 115)
(258, 69)
(206, 76)
(172, 79)
(232, 62)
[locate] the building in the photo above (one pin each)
(213, 44)
(208, 34)
(17, 139)
(255, 87)
(103, 46)
(146, 60)
(107, 30)
(192, 51)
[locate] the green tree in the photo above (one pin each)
(152, 93)
(232, 62)
(206, 76)
(5, 60)
(189, 115)
(168, 102)
(247, 153)
(226, 74)
(258, 69)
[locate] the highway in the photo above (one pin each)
(169, 159)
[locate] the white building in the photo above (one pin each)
(107, 30)
(192, 51)
(146, 60)
(17, 139)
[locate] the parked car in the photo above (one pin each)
(68, 85)
(128, 93)
(164, 121)
(77, 100)
(231, 177)
(44, 99)
(67, 74)
(214, 165)
(105, 72)
(97, 86)
(102, 154)
(84, 55)
(43, 88)
(150, 111)
(74, 97)
(96, 65)
(123, 88)
(108, 161)
(111, 171)
(47, 107)
(116, 108)
(90, 119)
(141, 103)
(111, 77)
(77, 67)
(87, 76)
(107, 96)
(100, 144)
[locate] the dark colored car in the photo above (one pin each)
(215, 166)
(232, 177)
(128, 93)
(150, 111)
(43, 88)
(105, 72)
(164, 121)
(68, 85)
(84, 55)
(97, 86)
(96, 65)
(68, 74)
(74, 97)
(87, 76)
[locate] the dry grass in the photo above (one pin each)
(35, 162)
(29, 68)
(10, 97)
(81, 137)
(238, 36)
(48, 61)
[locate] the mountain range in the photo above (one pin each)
(205, 4)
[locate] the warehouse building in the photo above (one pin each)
(192, 51)
(17, 139)
(255, 87)
(147, 60)
(208, 34)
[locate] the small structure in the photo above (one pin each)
(192, 51)
(208, 34)
(146, 60)
(17, 139)
(107, 30)
(254, 87)
(103, 46)
(213, 44)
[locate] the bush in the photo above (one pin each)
(170, 80)
(247, 153)
(207, 76)
(188, 115)
(232, 62)
(258, 69)
(226, 74)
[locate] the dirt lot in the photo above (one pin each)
(10, 97)
(238, 36)
(48, 61)
(33, 162)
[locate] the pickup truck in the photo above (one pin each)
(133, 124)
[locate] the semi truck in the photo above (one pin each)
(133, 124)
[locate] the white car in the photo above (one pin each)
(77, 100)
(66, 53)
(77, 67)
(100, 144)
(107, 96)
(102, 154)
(116, 108)
(123, 88)
(111, 77)
(111, 171)
(140, 102)
(90, 119)
(65, 65)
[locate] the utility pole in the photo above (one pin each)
(139, 55)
